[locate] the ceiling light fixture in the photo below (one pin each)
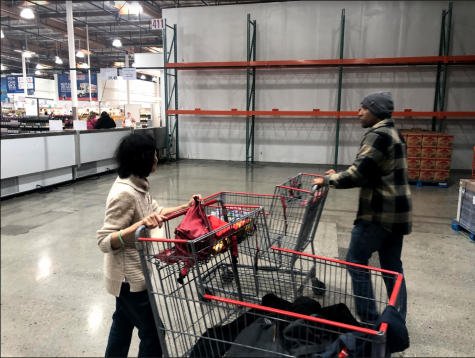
(135, 8)
(117, 43)
(37, 72)
(142, 77)
(3, 35)
(27, 54)
(27, 14)
(85, 65)
(79, 53)
(58, 61)
(39, 67)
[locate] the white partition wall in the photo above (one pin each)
(309, 30)
(32, 155)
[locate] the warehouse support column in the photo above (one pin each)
(127, 82)
(23, 64)
(340, 83)
(72, 58)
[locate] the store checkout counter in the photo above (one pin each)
(49, 158)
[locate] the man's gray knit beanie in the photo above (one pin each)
(380, 104)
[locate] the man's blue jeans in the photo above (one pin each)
(133, 309)
(367, 238)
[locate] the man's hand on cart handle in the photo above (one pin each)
(319, 181)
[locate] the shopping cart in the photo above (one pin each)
(291, 223)
(192, 321)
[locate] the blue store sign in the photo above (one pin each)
(83, 88)
(15, 84)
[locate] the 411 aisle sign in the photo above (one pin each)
(157, 24)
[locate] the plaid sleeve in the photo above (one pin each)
(370, 156)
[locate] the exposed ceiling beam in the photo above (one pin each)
(150, 10)
(108, 24)
(95, 42)
(53, 25)
(75, 14)
(95, 62)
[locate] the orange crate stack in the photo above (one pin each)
(428, 154)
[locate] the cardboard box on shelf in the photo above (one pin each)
(413, 174)
(429, 152)
(445, 140)
(442, 164)
(428, 163)
(414, 152)
(441, 175)
(426, 174)
(414, 139)
(444, 152)
(430, 139)
(404, 132)
(413, 163)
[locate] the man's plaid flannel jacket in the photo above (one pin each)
(380, 169)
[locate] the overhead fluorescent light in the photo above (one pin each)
(142, 77)
(26, 54)
(117, 43)
(58, 61)
(79, 54)
(27, 14)
(39, 67)
(135, 8)
(37, 72)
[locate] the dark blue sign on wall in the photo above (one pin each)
(64, 87)
(4, 89)
(15, 84)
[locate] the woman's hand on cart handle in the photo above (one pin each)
(330, 172)
(192, 200)
(154, 220)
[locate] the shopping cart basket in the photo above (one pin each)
(291, 222)
(192, 321)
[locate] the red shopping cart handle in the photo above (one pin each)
(314, 175)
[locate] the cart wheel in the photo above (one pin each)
(227, 276)
(318, 287)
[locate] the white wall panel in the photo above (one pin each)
(99, 146)
(32, 155)
(311, 30)
(115, 92)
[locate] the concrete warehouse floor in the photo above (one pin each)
(54, 301)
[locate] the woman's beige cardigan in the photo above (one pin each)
(129, 201)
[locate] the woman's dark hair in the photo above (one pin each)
(135, 155)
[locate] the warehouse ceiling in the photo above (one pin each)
(45, 35)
